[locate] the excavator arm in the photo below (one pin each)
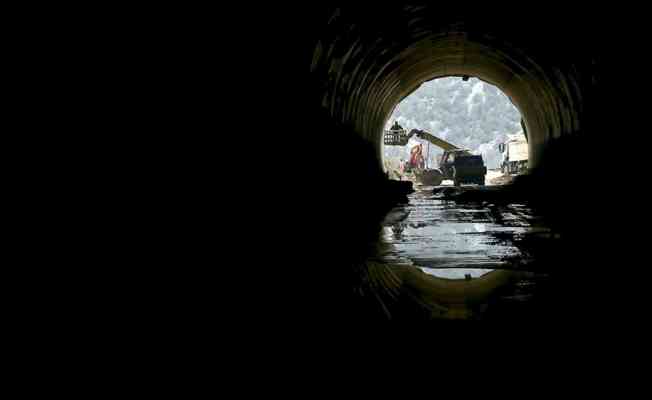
(432, 139)
(397, 137)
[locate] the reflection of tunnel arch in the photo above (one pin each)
(366, 68)
(440, 298)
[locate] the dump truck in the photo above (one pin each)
(514, 154)
(455, 164)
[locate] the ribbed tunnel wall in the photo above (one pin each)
(365, 62)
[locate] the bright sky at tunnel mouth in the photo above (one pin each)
(470, 114)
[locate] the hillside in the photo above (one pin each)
(472, 114)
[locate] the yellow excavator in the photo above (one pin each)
(455, 164)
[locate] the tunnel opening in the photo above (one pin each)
(465, 112)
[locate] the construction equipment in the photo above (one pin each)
(456, 164)
(515, 154)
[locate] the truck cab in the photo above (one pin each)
(514, 155)
(461, 166)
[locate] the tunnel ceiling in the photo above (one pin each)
(366, 61)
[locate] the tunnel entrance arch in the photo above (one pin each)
(369, 75)
(361, 67)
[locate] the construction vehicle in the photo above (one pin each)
(515, 154)
(455, 164)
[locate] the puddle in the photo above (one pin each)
(437, 235)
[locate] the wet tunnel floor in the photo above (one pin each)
(451, 240)
(461, 257)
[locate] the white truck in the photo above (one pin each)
(515, 154)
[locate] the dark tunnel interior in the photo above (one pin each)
(223, 197)
(342, 70)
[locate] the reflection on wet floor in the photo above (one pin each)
(452, 240)
(454, 257)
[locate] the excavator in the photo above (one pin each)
(455, 164)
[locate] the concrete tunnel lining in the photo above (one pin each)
(367, 76)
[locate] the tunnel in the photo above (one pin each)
(345, 69)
